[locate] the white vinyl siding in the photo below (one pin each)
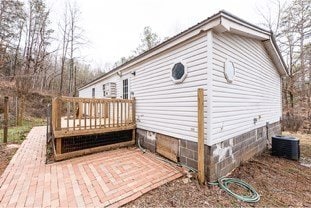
(84, 93)
(163, 106)
(87, 92)
(255, 91)
(171, 109)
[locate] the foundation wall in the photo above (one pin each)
(221, 158)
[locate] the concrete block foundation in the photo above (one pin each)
(220, 158)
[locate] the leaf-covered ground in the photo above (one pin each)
(6, 154)
(280, 182)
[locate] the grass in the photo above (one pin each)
(17, 134)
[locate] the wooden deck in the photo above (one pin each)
(73, 117)
(76, 127)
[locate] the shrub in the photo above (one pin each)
(291, 122)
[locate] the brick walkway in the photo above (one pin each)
(108, 178)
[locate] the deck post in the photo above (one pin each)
(58, 145)
(134, 111)
(107, 110)
(80, 110)
(5, 119)
(133, 135)
(58, 114)
(134, 118)
(201, 175)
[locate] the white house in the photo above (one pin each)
(239, 67)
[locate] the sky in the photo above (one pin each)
(114, 27)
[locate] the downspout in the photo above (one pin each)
(267, 135)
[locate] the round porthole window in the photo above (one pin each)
(229, 71)
(178, 72)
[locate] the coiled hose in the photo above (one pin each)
(223, 183)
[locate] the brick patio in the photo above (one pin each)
(109, 178)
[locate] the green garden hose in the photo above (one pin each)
(223, 183)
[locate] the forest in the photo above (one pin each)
(33, 57)
(291, 24)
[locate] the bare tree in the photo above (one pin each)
(302, 21)
(64, 29)
(37, 35)
(292, 27)
(11, 18)
(77, 40)
(271, 15)
(72, 39)
(295, 27)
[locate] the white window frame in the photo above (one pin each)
(128, 88)
(229, 75)
(177, 81)
(93, 92)
(104, 90)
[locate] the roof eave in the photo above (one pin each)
(205, 25)
(276, 56)
(240, 27)
(220, 22)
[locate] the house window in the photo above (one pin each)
(93, 92)
(229, 71)
(104, 91)
(125, 89)
(178, 72)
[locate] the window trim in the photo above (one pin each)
(177, 81)
(93, 92)
(128, 88)
(104, 90)
(228, 78)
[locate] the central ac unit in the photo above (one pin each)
(285, 146)
(110, 90)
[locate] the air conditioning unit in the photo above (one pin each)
(110, 90)
(285, 146)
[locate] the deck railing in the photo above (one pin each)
(73, 116)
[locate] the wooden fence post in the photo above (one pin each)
(6, 119)
(201, 175)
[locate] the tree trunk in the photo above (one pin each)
(75, 82)
(291, 98)
(302, 65)
(62, 76)
(20, 110)
(17, 50)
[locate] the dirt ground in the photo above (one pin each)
(280, 182)
(35, 105)
(6, 154)
(305, 147)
